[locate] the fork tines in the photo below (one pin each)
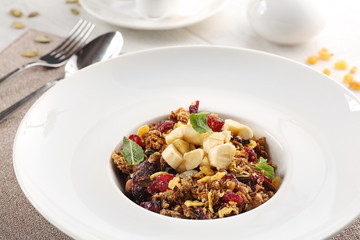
(76, 39)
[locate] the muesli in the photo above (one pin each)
(196, 165)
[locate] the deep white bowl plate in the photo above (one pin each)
(63, 145)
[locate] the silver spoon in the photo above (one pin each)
(104, 47)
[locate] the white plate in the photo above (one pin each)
(123, 14)
(63, 145)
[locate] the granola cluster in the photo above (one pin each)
(205, 191)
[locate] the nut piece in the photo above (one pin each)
(16, 13)
(33, 14)
(18, 25)
(42, 39)
(30, 54)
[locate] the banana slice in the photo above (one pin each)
(186, 133)
(221, 156)
(191, 135)
(172, 156)
(193, 158)
(227, 135)
(182, 146)
(177, 133)
(181, 168)
(213, 140)
(238, 129)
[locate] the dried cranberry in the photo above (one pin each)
(143, 171)
(215, 123)
(230, 196)
(160, 184)
(194, 107)
(230, 177)
(137, 139)
(200, 213)
(138, 192)
(165, 126)
(153, 206)
(252, 155)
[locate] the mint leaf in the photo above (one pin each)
(132, 152)
(262, 160)
(199, 122)
(268, 170)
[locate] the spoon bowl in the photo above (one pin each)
(104, 47)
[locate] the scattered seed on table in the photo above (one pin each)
(324, 54)
(18, 25)
(33, 14)
(16, 13)
(354, 85)
(326, 71)
(42, 39)
(348, 78)
(341, 65)
(353, 70)
(30, 54)
(312, 59)
(74, 11)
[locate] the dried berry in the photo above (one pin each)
(194, 107)
(149, 152)
(252, 155)
(233, 197)
(200, 213)
(139, 192)
(153, 206)
(165, 126)
(143, 171)
(160, 184)
(214, 122)
(137, 139)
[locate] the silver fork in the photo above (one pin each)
(58, 56)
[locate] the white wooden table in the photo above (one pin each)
(229, 27)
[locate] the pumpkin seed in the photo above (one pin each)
(33, 14)
(16, 13)
(30, 54)
(42, 39)
(74, 11)
(18, 25)
(72, 1)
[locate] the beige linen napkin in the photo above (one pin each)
(18, 218)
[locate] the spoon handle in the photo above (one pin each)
(5, 113)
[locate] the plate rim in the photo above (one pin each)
(346, 222)
(184, 22)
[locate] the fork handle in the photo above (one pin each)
(5, 113)
(19, 69)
